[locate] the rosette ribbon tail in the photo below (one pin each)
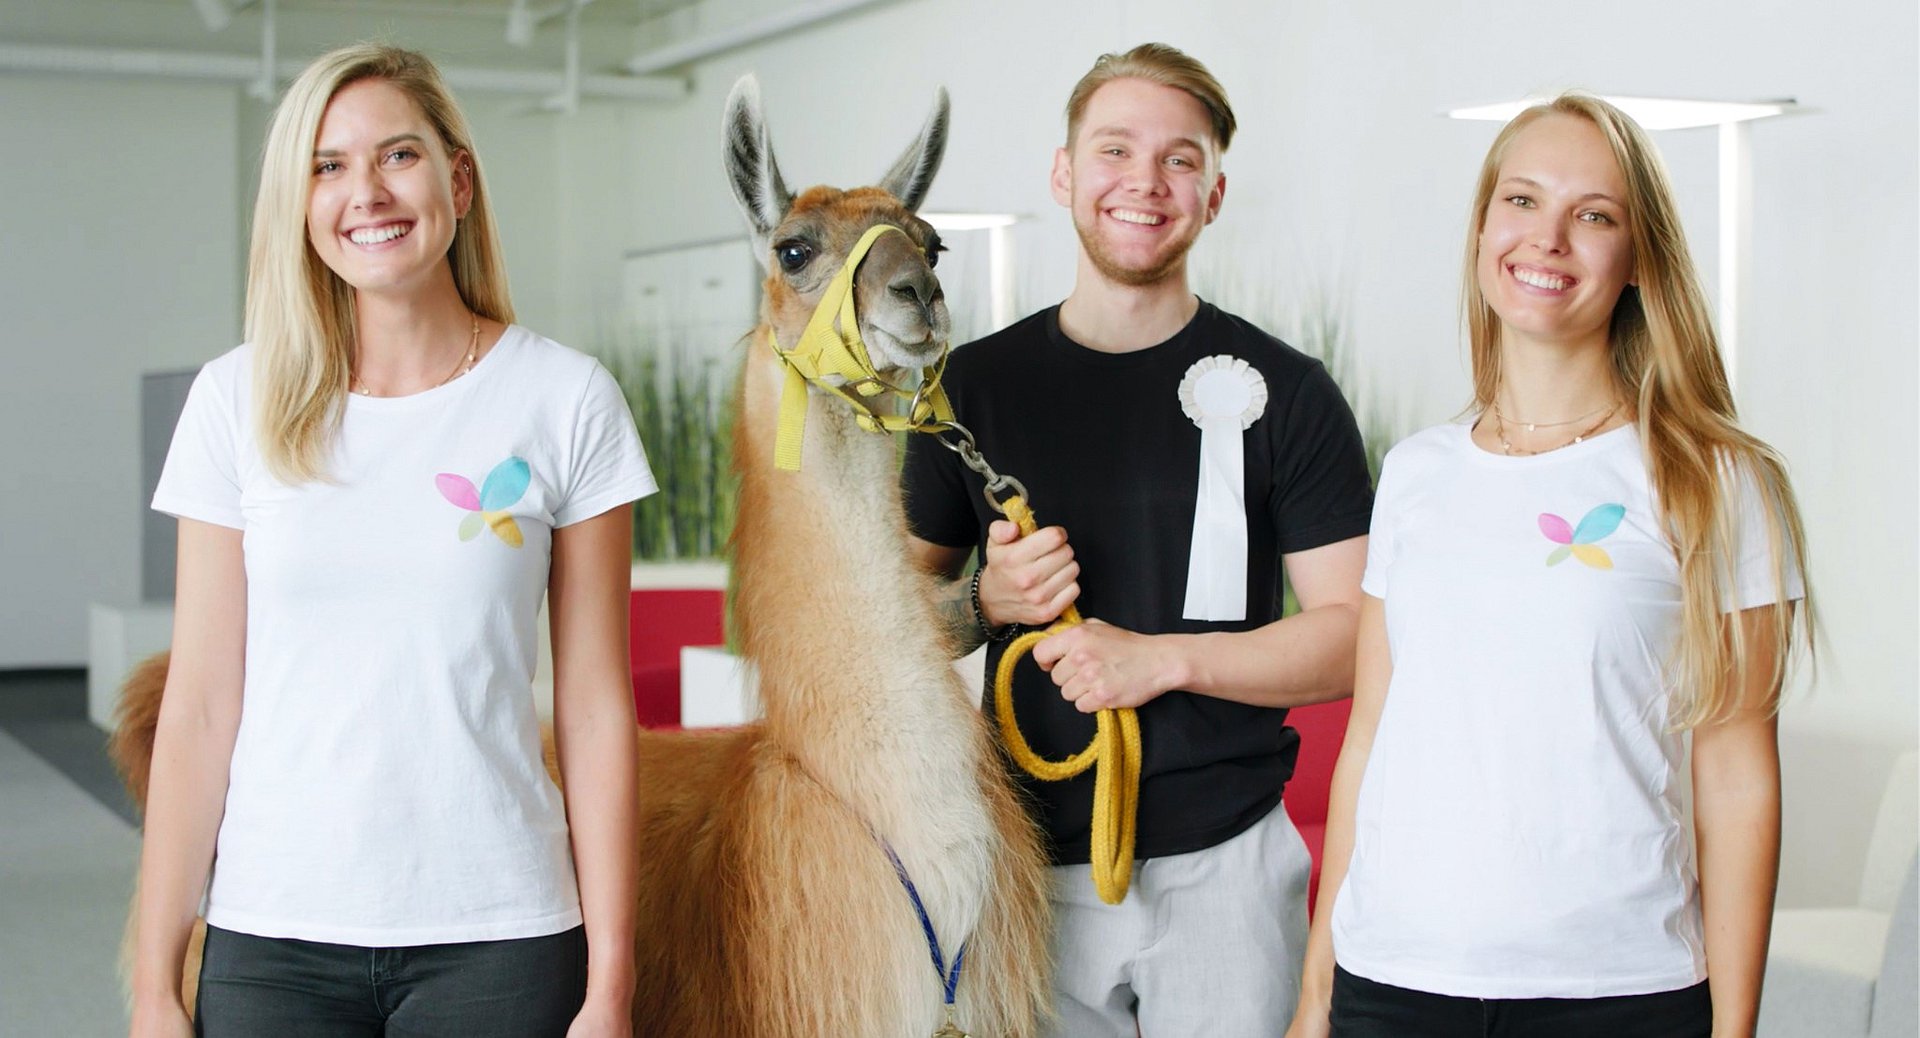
(1217, 562)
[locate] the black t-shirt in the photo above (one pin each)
(1105, 451)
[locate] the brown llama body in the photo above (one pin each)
(769, 906)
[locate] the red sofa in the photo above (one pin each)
(1322, 729)
(660, 622)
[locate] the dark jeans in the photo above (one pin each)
(257, 986)
(1365, 1008)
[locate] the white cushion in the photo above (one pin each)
(1896, 832)
(1848, 941)
(1821, 972)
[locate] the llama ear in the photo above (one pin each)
(912, 175)
(755, 176)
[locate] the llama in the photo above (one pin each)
(768, 903)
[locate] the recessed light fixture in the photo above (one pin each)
(1653, 113)
(969, 221)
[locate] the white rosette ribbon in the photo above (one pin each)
(1224, 396)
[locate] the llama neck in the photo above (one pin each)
(854, 669)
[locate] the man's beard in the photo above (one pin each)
(1133, 277)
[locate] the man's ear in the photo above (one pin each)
(1216, 196)
(1061, 179)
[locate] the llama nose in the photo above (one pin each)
(917, 287)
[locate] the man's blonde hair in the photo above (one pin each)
(1162, 64)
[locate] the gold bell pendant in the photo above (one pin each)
(948, 1030)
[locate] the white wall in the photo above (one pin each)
(125, 206)
(117, 232)
(1344, 173)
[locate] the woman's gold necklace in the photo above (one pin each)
(1507, 447)
(461, 367)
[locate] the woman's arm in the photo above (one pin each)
(1736, 820)
(594, 730)
(192, 751)
(1373, 667)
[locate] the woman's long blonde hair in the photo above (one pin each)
(300, 315)
(1667, 361)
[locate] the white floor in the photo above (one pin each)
(66, 869)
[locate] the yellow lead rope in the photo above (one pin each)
(1115, 750)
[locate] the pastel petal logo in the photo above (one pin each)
(1577, 541)
(487, 506)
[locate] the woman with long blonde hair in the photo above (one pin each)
(1559, 592)
(375, 494)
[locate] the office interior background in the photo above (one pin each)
(130, 133)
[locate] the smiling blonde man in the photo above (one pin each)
(1195, 458)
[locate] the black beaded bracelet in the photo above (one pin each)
(980, 616)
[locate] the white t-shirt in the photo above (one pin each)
(386, 786)
(1519, 831)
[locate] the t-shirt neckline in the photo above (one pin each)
(482, 369)
(1625, 434)
(1070, 348)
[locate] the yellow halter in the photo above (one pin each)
(831, 345)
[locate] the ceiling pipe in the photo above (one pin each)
(567, 101)
(523, 19)
(215, 14)
(218, 14)
(267, 86)
(798, 16)
(246, 69)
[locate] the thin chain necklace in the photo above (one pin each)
(1506, 447)
(1534, 426)
(461, 367)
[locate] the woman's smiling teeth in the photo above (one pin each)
(1135, 216)
(1541, 279)
(378, 235)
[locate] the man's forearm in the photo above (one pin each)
(1305, 658)
(953, 604)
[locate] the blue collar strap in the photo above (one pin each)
(949, 979)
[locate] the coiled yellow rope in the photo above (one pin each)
(1114, 752)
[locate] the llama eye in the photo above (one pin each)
(792, 255)
(934, 249)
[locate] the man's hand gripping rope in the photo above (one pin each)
(1114, 752)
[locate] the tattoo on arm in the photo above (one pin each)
(955, 610)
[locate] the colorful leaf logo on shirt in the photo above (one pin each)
(487, 506)
(1578, 541)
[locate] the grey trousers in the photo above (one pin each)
(1205, 944)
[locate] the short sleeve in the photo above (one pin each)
(1380, 539)
(201, 477)
(939, 507)
(1762, 573)
(609, 465)
(1323, 493)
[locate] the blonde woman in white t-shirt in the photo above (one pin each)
(376, 492)
(1598, 565)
